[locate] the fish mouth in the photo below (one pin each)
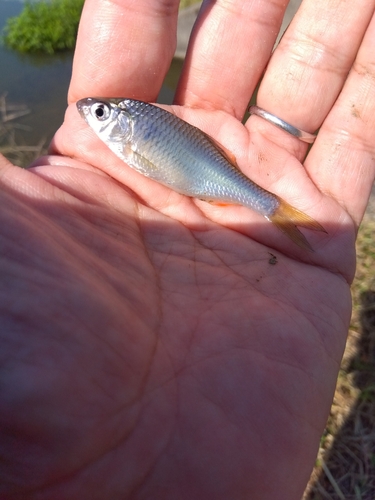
(84, 105)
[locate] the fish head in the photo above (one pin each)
(112, 124)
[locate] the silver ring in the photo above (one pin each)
(300, 134)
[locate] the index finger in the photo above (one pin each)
(124, 48)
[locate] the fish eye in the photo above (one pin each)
(101, 111)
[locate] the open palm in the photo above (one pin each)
(155, 346)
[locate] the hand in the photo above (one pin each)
(159, 347)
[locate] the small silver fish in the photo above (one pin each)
(165, 148)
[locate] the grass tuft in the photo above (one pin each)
(44, 26)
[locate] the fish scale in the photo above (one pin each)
(161, 146)
(189, 161)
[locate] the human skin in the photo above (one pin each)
(151, 347)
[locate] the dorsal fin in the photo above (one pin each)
(224, 151)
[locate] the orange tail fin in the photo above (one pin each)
(287, 218)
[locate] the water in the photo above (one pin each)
(41, 83)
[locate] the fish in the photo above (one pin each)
(167, 149)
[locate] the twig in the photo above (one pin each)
(331, 479)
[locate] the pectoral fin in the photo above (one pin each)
(139, 162)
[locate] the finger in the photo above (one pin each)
(124, 48)
(309, 67)
(228, 51)
(342, 162)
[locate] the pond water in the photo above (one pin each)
(41, 83)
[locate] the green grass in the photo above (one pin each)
(44, 26)
(49, 26)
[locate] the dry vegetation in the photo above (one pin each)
(345, 468)
(10, 144)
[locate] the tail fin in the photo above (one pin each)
(287, 218)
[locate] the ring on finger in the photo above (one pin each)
(296, 132)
